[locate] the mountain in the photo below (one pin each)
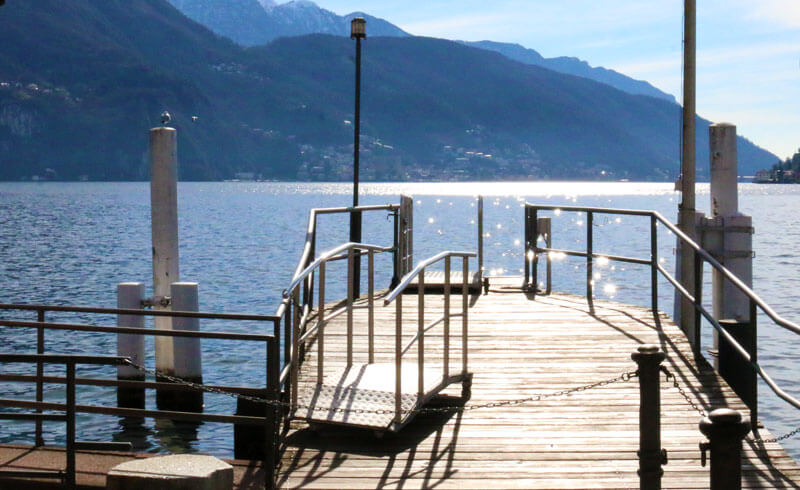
(81, 82)
(255, 22)
(574, 66)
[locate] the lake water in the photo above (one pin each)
(73, 243)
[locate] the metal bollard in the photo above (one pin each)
(651, 455)
(725, 431)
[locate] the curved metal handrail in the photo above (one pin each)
(311, 230)
(331, 255)
(406, 280)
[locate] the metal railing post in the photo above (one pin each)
(350, 293)
(70, 473)
(321, 325)
(651, 455)
(398, 359)
(446, 346)
(527, 247)
(464, 317)
(295, 369)
(725, 431)
(480, 238)
(754, 360)
(589, 259)
(654, 264)
(546, 224)
(287, 339)
(371, 305)
(39, 439)
(271, 415)
(421, 336)
(396, 250)
(534, 249)
(698, 302)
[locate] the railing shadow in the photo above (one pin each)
(319, 453)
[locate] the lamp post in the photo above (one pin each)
(358, 31)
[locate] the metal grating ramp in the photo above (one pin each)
(354, 396)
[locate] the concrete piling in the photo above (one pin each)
(186, 351)
(130, 296)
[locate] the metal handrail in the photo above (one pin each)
(419, 338)
(330, 255)
(700, 253)
(69, 408)
(271, 372)
(297, 316)
(308, 248)
(408, 278)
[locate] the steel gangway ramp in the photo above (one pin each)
(379, 393)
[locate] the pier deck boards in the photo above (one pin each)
(518, 348)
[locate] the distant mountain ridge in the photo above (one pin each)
(81, 83)
(573, 66)
(257, 22)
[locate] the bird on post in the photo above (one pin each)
(165, 117)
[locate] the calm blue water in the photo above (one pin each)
(72, 243)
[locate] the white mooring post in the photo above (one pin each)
(188, 362)
(129, 297)
(164, 215)
(730, 232)
(728, 236)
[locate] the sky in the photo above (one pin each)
(748, 51)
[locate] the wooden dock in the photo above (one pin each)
(519, 347)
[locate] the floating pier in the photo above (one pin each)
(552, 406)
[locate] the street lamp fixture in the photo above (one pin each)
(358, 28)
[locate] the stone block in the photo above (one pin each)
(175, 472)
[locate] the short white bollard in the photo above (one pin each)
(129, 297)
(178, 472)
(186, 352)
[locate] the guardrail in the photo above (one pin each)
(270, 391)
(397, 294)
(747, 354)
(297, 314)
(67, 476)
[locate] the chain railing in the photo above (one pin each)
(623, 377)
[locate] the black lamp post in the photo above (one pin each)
(358, 31)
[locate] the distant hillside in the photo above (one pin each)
(251, 23)
(81, 82)
(574, 66)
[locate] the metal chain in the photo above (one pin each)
(778, 439)
(703, 413)
(624, 377)
(682, 392)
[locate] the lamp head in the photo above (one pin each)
(358, 28)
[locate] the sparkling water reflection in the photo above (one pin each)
(72, 243)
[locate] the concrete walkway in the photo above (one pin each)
(94, 465)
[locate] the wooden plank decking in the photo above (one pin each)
(518, 348)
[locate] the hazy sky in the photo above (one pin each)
(748, 51)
